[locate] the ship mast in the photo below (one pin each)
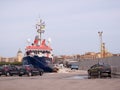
(40, 26)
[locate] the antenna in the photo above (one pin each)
(40, 26)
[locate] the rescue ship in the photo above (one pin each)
(39, 53)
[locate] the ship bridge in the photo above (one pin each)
(39, 46)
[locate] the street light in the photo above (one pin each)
(100, 36)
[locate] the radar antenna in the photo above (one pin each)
(40, 26)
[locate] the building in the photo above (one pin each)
(17, 58)
(93, 55)
(89, 55)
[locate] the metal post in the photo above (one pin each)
(100, 36)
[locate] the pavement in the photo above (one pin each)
(63, 80)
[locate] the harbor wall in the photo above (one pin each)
(113, 61)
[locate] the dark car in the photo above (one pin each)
(30, 70)
(100, 70)
(1, 71)
(9, 70)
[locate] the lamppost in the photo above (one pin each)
(101, 42)
(40, 26)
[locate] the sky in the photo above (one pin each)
(72, 25)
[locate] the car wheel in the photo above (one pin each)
(29, 73)
(41, 73)
(20, 74)
(7, 74)
(109, 75)
(89, 75)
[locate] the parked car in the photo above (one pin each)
(100, 70)
(30, 70)
(9, 70)
(1, 71)
(74, 66)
